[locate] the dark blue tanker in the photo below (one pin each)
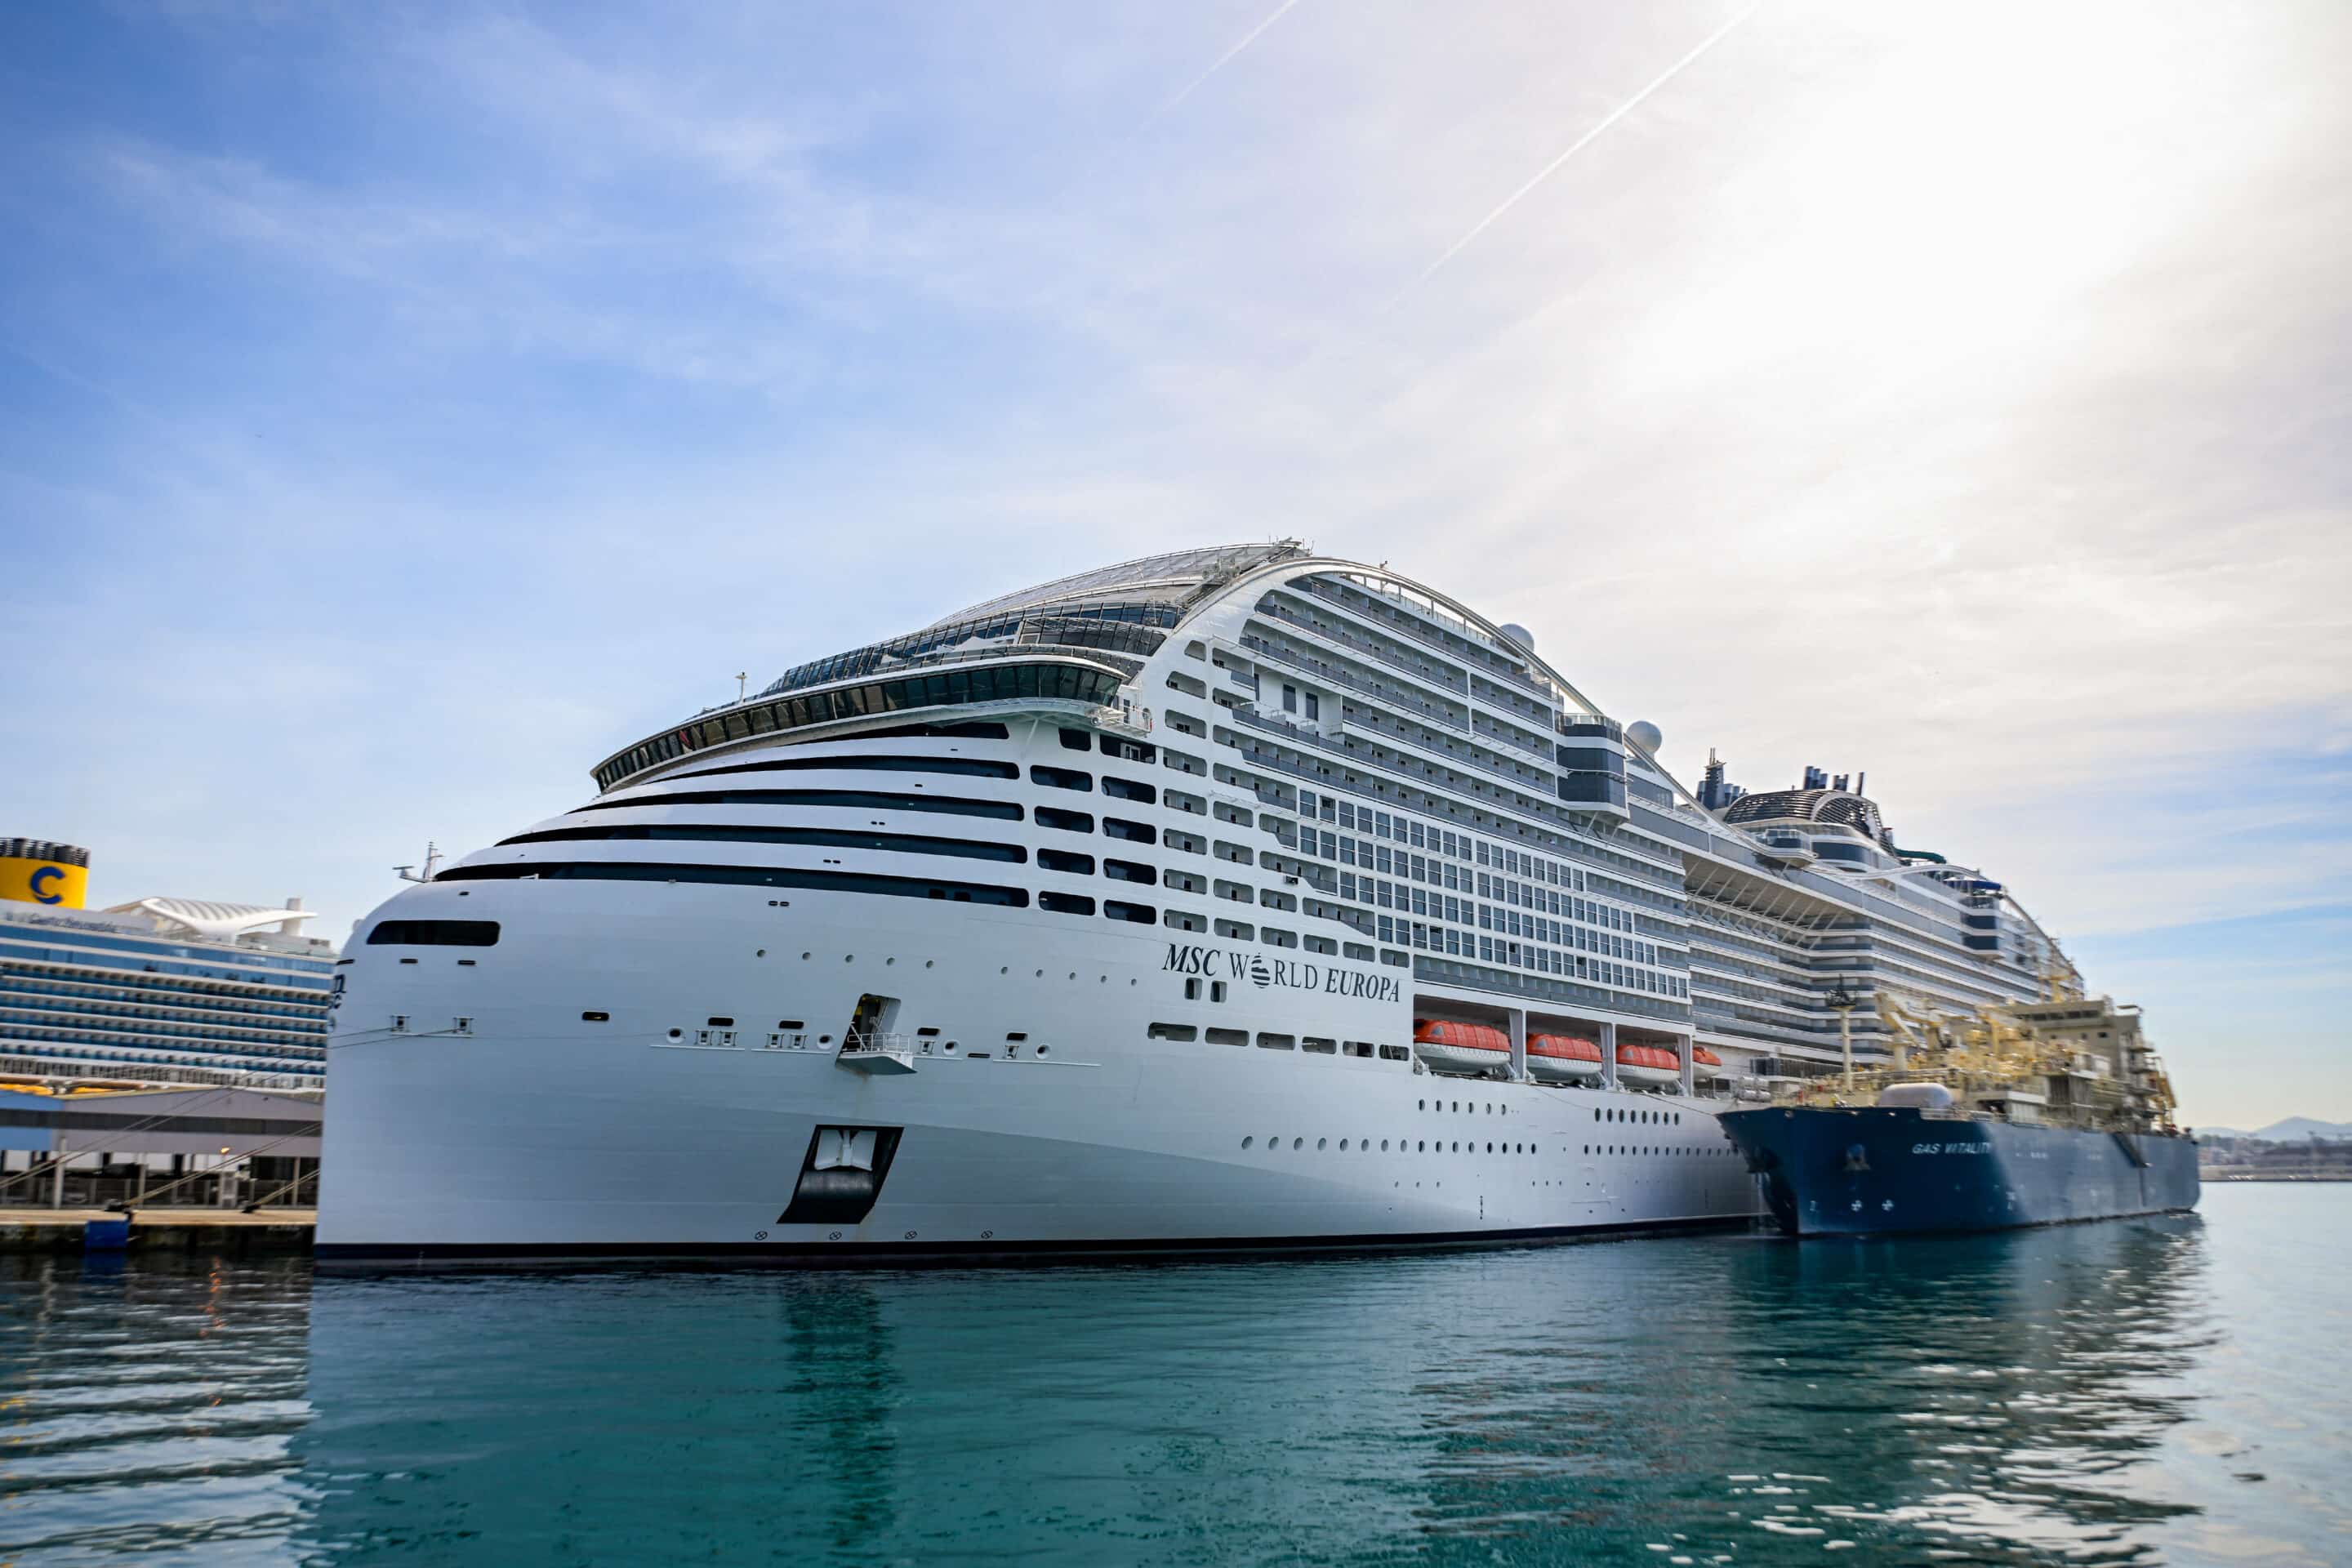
(1831, 1171)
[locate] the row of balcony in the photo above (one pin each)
(1405, 623)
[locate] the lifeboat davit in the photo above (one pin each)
(1450, 1047)
(1648, 1064)
(1563, 1059)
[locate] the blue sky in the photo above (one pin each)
(401, 409)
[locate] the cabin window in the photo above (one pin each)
(1065, 821)
(434, 933)
(1175, 1032)
(1062, 778)
(1066, 903)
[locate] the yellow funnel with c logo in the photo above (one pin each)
(35, 871)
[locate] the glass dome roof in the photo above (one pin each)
(1174, 578)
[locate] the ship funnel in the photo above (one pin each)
(37, 871)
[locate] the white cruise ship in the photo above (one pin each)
(1234, 898)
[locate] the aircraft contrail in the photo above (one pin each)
(1227, 58)
(1579, 145)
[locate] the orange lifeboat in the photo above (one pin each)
(1563, 1059)
(1705, 1058)
(1648, 1064)
(1449, 1045)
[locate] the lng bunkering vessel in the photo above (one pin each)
(2033, 1113)
(1239, 897)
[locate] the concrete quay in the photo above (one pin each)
(209, 1230)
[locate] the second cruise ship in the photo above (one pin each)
(1239, 897)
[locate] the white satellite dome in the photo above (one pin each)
(1645, 735)
(1518, 634)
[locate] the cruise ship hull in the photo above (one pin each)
(1036, 1117)
(1866, 1170)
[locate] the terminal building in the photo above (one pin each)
(157, 992)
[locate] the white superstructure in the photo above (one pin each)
(1097, 918)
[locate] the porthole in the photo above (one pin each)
(1247, 1142)
(1299, 1143)
(1003, 969)
(1320, 1142)
(761, 954)
(889, 962)
(805, 958)
(848, 958)
(1384, 1145)
(1343, 1145)
(676, 1034)
(1421, 1105)
(1421, 1148)
(1043, 1050)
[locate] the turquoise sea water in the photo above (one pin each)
(2157, 1391)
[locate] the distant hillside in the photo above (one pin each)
(2295, 1129)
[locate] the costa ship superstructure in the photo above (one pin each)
(1237, 898)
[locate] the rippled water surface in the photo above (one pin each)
(2169, 1391)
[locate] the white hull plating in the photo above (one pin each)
(541, 1131)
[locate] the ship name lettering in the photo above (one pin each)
(1193, 958)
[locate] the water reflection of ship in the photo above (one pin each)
(2004, 1388)
(842, 1385)
(1996, 1394)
